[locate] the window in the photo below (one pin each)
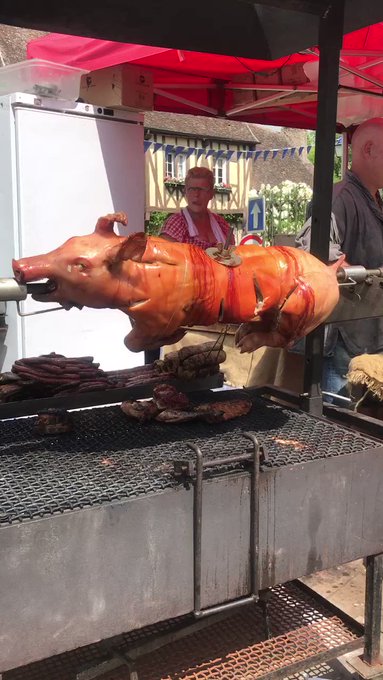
(169, 165)
(176, 165)
(220, 171)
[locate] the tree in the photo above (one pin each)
(286, 206)
(337, 159)
(157, 218)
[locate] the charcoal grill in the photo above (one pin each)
(97, 526)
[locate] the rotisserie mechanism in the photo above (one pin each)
(278, 294)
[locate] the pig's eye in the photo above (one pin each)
(81, 265)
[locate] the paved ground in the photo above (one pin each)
(343, 586)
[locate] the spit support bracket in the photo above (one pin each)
(361, 294)
(193, 471)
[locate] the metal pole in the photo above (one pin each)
(373, 609)
(330, 43)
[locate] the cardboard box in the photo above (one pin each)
(121, 86)
(286, 75)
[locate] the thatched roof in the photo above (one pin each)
(201, 127)
(13, 43)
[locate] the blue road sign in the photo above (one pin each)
(256, 214)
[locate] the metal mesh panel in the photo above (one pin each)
(108, 457)
(233, 649)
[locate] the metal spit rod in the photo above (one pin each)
(13, 291)
(357, 274)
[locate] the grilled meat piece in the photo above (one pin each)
(140, 410)
(54, 421)
(219, 411)
(176, 416)
(167, 397)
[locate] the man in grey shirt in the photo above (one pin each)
(357, 232)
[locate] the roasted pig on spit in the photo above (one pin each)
(278, 294)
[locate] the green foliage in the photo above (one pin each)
(157, 218)
(337, 169)
(235, 219)
(337, 159)
(286, 206)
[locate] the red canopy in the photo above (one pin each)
(281, 92)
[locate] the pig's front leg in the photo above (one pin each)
(138, 339)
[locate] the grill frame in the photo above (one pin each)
(128, 563)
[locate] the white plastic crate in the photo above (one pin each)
(42, 78)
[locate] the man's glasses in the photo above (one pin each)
(195, 189)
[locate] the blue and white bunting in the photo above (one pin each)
(228, 154)
(178, 150)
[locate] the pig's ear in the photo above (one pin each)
(132, 248)
(105, 224)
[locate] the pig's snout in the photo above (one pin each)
(18, 270)
(28, 270)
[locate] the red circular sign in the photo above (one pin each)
(252, 240)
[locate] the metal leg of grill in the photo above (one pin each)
(264, 599)
(369, 666)
(373, 609)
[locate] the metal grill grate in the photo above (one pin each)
(109, 458)
(234, 649)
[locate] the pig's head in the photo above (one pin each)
(79, 271)
(150, 279)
